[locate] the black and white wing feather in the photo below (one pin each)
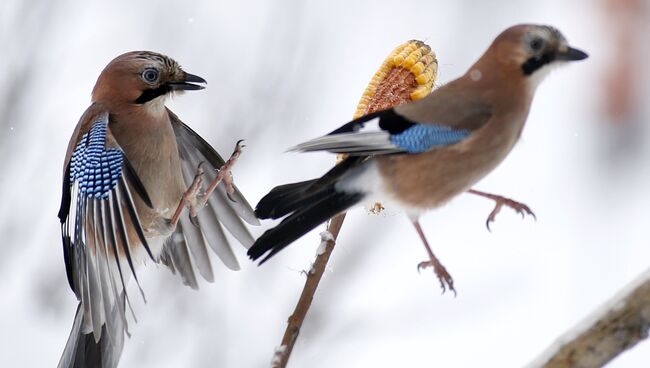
(97, 215)
(384, 132)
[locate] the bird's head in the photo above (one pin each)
(530, 51)
(143, 78)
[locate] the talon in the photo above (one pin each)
(230, 197)
(238, 146)
(422, 265)
(441, 272)
(445, 279)
(224, 175)
(493, 215)
(200, 167)
(500, 201)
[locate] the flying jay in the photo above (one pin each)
(131, 168)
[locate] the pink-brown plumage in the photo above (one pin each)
(129, 162)
(419, 155)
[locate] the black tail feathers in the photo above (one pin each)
(283, 200)
(82, 351)
(308, 208)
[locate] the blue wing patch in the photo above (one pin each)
(423, 137)
(94, 167)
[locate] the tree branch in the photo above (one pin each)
(294, 323)
(407, 74)
(614, 328)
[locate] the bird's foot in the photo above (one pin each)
(499, 202)
(194, 200)
(224, 175)
(520, 208)
(446, 281)
(189, 198)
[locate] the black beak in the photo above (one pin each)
(187, 83)
(571, 54)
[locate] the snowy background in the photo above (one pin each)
(281, 72)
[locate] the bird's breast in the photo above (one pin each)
(151, 148)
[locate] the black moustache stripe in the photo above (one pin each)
(150, 94)
(533, 64)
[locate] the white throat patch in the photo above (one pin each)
(156, 107)
(539, 75)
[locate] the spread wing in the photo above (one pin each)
(385, 132)
(223, 212)
(99, 224)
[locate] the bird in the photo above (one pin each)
(130, 170)
(419, 155)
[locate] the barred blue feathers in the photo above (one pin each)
(424, 137)
(94, 167)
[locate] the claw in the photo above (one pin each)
(493, 215)
(238, 146)
(192, 199)
(422, 265)
(194, 220)
(200, 167)
(445, 279)
(230, 197)
(223, 175)
(500, 201)
(441, 272)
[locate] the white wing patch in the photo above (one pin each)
(367, 138)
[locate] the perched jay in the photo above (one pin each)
(419, 155)
(129, 172)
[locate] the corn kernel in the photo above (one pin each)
(417, 68)
(419, 93)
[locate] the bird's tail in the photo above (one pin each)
(308, 206)
(284, 199)
(82, 351)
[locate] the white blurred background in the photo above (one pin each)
(281, 72)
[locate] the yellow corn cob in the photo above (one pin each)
(412, 57)
(407, 74)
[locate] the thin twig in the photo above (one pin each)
(313, 279)
(392, 85)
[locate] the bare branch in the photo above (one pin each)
(313, 279)
(407, 74)
(614, 328)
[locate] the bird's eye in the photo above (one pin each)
(150, 75)
(536, 44)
